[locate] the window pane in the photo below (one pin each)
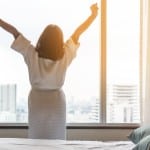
(123, 32)
(82, 81)
(14, 86)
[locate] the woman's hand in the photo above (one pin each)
(9, 28)
(94, 9)
(0, 22)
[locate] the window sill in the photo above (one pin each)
(13, 126)
(75, 126)
(103, 126)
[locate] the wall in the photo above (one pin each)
(75, 134)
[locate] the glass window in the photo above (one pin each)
(123, 49)
(82, 86)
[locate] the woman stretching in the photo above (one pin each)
(47, 64)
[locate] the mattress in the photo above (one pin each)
(43, 144)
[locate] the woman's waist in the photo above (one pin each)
(46, 86)
(46, 89)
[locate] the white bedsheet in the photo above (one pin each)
(36, 144)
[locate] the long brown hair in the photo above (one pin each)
(50, 43)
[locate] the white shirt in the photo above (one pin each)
(45, 73)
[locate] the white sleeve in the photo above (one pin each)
(70, 50)
(21, 44)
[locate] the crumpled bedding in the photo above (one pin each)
(44, 144)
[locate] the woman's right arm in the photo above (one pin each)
(9, 28)
(80, 29)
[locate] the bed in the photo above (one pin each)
(40, 144)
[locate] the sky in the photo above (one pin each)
(123, 28)
(82, 80)
(83, 76)
(30, 17)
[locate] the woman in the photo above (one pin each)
(47, 64)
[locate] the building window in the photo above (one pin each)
(103, 82)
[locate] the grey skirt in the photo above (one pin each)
(47, 114)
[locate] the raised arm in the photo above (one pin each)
(94, 11)
(9, 28)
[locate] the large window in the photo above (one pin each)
(94, 94)
(123, 61)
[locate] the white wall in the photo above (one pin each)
(98, 134)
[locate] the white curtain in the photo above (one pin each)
(146, 59)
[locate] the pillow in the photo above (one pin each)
(139, 133)
(144, 144)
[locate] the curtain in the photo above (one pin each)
(146, 61)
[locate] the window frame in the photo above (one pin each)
(103, 74)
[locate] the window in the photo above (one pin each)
(123, 61)
(111, 57)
